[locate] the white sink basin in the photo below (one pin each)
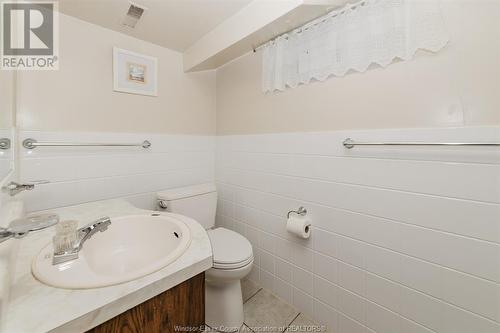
(131, 247)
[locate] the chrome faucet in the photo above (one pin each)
(21, 227)
(82, 235)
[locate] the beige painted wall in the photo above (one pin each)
(80, 97)
(7, 79)
(6, 98)
(460, 86)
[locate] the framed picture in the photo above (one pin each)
(134, 73)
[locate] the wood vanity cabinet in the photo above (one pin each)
(177, 310)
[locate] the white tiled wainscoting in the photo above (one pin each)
(404, 239)
(82, 174)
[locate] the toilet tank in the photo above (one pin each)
(198, 202)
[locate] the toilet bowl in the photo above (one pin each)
(232, 255)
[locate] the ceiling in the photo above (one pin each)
(256, 23)
(174, 24)
(209, 33)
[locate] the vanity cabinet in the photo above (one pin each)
(180, 309)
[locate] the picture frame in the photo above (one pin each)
(134, 73)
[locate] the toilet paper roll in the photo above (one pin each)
(299, 226)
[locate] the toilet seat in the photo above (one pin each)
(230, 249)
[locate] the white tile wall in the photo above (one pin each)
(82, 174)
(404, 239)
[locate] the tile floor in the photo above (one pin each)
(266, 313)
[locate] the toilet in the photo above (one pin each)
(232, 254)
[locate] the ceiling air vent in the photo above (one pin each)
(133, 16)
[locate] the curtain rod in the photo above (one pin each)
(320, 19)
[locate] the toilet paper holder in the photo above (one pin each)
(301, 211)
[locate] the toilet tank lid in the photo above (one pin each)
(186, 192)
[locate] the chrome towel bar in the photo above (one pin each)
(349, 143)
(32, 144)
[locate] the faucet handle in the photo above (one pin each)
(66, 237)
(67, 227)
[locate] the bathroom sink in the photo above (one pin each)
(132, 246)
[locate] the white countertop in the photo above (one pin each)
(35, 307)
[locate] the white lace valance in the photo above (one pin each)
(353, 38)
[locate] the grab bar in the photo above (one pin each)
(32, 144)
(349, 143)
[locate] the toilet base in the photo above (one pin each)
(223, 298)
(223, 305)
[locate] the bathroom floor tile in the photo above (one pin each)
(305, 324)
(208, 329)
(265, 312)
(243, 329)
(248, 289)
